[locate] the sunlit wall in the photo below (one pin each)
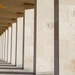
(6, 45)
(13, 43)
(3, 50)
(1, 47)
(19, 41)
(29, 40)
(9, 45)
(67, 37)
(45, 37)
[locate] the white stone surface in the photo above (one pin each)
(67, 38)
(13, 43)
(9, 44)
(19, 41)
(29, 40)
(45, 37)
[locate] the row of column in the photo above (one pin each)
(29, 42)
(43, 39)
(12, 42)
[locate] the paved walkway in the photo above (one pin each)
(8, 69)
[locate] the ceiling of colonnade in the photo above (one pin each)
(10, 10)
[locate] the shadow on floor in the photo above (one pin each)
(7, 68)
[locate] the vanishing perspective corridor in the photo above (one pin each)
(7, 68)
(37, 37)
